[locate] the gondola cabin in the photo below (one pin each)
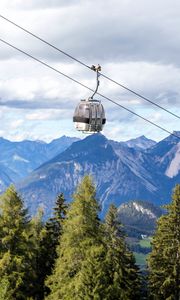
(89, 116)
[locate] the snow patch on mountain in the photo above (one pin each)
(143, 210)
(42, 176)
(77, 167)
(19, 158)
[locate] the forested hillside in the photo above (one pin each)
(75, 255)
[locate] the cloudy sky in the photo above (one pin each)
(137, 43)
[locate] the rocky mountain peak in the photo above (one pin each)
(139, 216)
(140, 143)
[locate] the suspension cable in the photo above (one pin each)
(85, 65)
(85, 86)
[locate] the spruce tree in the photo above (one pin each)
(124, 281)
(164, 260)
(36, 234)
(14, 260)
(93, 281)
(79, 243)
(54, 230)
(48, 244)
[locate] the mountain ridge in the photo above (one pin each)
(121, 173)
(24, 156)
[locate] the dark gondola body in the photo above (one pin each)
(89, 116)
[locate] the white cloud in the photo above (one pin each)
(50, 114)
(2, 132)
(35, 4)
(136, 42)
(16, 124)
(106, 30)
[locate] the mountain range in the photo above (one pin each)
(139, 169)
(121, 173)
(18, 159)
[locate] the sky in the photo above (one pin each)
(137, 43)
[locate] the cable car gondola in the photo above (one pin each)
(89, 115)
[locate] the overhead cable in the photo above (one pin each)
(90, 89)
(85, 65)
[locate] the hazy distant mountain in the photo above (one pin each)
(59, 145)
(140, 143)
(121, 173)
(23, 157)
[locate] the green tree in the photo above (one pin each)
(36, 234)
(54, 230)
(124, 280)
(4, 287)
(93, 278)
(14, 226)
(79, 243)
(164, 260)
(48, 244)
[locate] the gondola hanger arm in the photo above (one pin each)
(97, 69)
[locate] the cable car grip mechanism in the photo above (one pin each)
(97, 69)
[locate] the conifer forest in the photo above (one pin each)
(76, 255)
